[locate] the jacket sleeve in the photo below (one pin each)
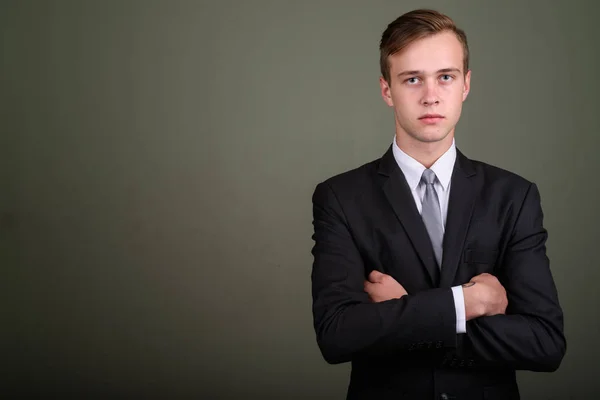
(530, 335)
(346, 323)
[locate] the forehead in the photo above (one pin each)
(442, 50)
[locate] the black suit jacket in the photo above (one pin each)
(408, 348)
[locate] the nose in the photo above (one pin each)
(430, 95)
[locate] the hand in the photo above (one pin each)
(484, 296)
(382, 287)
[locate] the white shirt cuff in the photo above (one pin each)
(459, 306)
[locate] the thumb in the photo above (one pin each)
(376, 276)
(480, 278)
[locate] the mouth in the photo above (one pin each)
(431, 118)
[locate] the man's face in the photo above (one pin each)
(427, 88)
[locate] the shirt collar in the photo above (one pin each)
(413, 170)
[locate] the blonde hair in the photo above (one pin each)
(412, 26)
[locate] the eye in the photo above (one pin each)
(412, 81)
(446, 78)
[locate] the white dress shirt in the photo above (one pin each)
(413, 171)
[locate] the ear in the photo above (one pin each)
(467, 85)
(386, 93)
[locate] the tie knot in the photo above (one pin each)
(428, 177)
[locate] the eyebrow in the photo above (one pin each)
(422, 72)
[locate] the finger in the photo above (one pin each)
(376, 276)
(371, 288)
(480, 277)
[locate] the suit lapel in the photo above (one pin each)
(463, 190)
(401, 199)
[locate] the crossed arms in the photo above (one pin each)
(513, 319)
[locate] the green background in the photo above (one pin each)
(157, 161)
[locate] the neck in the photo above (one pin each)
(426, 153)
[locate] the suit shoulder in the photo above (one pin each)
(502, 183)
(495, 174)
(351, 180)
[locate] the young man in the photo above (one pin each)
(430, 271)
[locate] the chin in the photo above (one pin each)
(430, 137)
(429, 134)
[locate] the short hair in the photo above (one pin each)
(412, 26)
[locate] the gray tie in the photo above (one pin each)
(431, 215)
